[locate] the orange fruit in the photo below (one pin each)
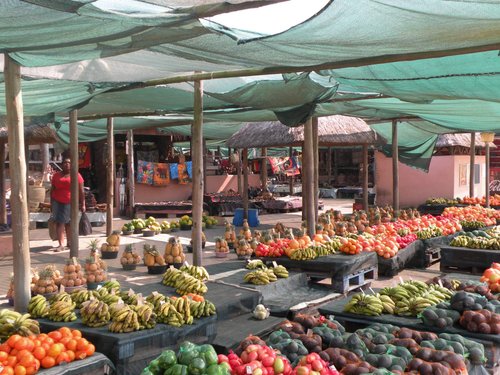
(41, 336)
(39, 353)
(90, 350)
(82, 344)
(62, 358)
(76, 333)
(65, 331)
(27, 360)
(31, 370)
(55, 350)
(11, 361)
(48, 362)
(71, 355)
(23, 353)
(80, 354)
(49, 340)
(7, 371)
(19, 370)
(71, 345)
(3, 356)
(14, 352)
(5, 348)
(65, 340)
(55, 335)
(13, 339)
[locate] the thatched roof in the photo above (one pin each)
(33, 134)
(332, 130)
(459, 139)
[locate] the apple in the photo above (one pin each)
(317, 365)
(257, 371)
(302, 370)
(222, 358)
(252, 356)
(278, 365)
(268, 361)
(252, 348)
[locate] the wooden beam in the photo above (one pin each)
(205, 153)
(130, 173)
(110, 176)
(365, 177)
(75, 209)
(316, 169)
(329, 165)
(18, 197)
(3, 201)
(303, 179)
(472, 162)
(245, 183)
(309, 167)
(238, 173)
(487, 178)
(45, 153)
(395, 168)
(197, 160)
(263, 168)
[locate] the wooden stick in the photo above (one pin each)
(245, 183)
(303, 178)
(205, 153)
(238, 174)
(395, 168)
(309, 167)
(472, 163)
(110, 177)
(365, 177)
(131, 173)
(487, 179)
(316, 169)
(329, 165)
(18, 198)
(197, 160)
(75, 209)
(263, 168)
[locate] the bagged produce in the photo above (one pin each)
(84, 227)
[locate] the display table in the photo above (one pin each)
(285, 189)
(403, 259)
(222, 204)
(347, 272)
(131, 352)
(355, 321)
(165, 208)
(97, 364)
(43, 217)
(461, 259)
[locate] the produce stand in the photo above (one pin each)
(435, 209)
(403, 259)
(431, 251)
(354, 321)
(347, 272)
(97, 364)
(222, 204)
(131, 352)
(164, 208)
(463, 259)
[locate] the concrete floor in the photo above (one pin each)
(42, 254)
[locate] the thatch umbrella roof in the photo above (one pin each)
(33, 134)
(332, 130)
(459, 139)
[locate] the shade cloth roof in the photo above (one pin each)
(331, 130)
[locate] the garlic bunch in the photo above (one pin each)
(261, 312)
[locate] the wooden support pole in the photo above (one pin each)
(291, 179)
(263, 168)
(303, 178)
(487, 177)
(3, 201)
(18, 197)
(75, 206)
(197, 160)
(316, 168)
(238, 173)
(205, 153)
(309, 184)
(395, 168)
(44, 151)
(131, 173)
(110, 176)
(365, 177)
(329, 165)
(245, 183)
(472, 163)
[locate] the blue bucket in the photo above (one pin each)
(253, 217)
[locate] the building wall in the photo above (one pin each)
(416, 186)
(176, 192)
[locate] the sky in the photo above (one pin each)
(273, 18)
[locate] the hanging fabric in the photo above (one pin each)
(161, 174)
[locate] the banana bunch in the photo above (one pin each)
(124, 319)
(304, 254)
(255, 264)
(129, 297)
(183, 282)
(270, 274)
(95, 313)
(461, 241)
(110, 285)
(146, 315)
(62, 296)
(365, 304)
(432, 231)
(197, 272)
(200, 309)
(415, 285)
(38, 306)
(387, 302)
(413, 306)
(334, 244)
(12, 322)
(280, 271)
(258, 277)
(323, 250)
(168, 314)
(80, 296)
(441, 292)
(155, 299)
(183, 307)
(62, 311)
(396, 293)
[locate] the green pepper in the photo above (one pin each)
(154, 367)
(167, 358)
(208, 353)
(176, 370)
(197, 366)
(214, 370)
(146, 371)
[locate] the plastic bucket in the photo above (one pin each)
(253, 217)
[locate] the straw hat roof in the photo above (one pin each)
(459, 139)
(33, 134)
(332, 130)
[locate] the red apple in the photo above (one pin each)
(302, 370)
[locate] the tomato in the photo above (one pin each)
(55, 350)
(13, 339)
(82, 344)
(19, 370)
(48, 362)
(55, 335)
(39, 353)
(90, 350)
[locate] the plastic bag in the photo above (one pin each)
(52, 229)
(84, 227)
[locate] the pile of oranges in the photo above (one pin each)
(25, 355)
